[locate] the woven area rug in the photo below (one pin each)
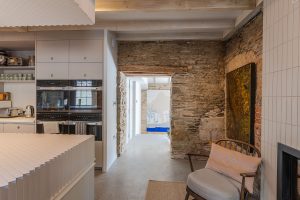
(165, 190)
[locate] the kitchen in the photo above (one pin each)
(56, 82)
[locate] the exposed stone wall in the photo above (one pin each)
(243, 48)
(144, 111)
(159, 86)
(122, 117)
(193, 93)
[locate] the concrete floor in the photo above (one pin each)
(147, 157)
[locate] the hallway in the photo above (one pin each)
(146, 157)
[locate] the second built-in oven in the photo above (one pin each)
(69, 95)
(85, 95)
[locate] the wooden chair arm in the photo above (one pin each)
(251, 174)
(190, 155)
(243, 188)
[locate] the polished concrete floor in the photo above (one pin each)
(147, 157)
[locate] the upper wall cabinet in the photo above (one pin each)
(86, 71)
(86, 51)
(56, 71)
(52, 51)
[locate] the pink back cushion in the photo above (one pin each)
(231, 163)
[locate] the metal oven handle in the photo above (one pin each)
(52, 88)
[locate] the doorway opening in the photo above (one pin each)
(148, 106)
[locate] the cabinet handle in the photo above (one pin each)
(51, 58)
(84, 58)
(18, 127)
(51, 75)
(84, 75)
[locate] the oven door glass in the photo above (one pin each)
(85, 99)
(52, 100)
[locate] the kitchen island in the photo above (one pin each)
(46, 166)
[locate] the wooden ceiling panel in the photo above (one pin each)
(127, 5)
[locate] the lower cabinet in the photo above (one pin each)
(1, 128)
(18, 128)
(99, 154)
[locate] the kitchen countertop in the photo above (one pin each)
(40, 156)
(18, 120)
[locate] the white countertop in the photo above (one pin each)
(18, 120)
(42, 163)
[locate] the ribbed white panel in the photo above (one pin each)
(46, 12)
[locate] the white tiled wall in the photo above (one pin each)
(281, 85)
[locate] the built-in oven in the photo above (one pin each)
(85, 95)
(71, 107)
(52, 95)
(69, 95)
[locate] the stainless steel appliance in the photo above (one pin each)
(29, 111)
(11, 112)
(73, 95)
(75, 106)
(52, 95)
(85, 95)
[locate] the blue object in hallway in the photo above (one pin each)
(158, 129)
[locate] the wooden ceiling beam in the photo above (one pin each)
(148, 26)
(159, 70)
(129, 5)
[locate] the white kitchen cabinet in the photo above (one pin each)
(52, 51)
(54, 71)
(86, 51)
(18, 128)
(86, 71)
(99, 153)
(1, 128)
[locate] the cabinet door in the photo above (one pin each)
(1, 128)
(46, 71)
(86, 51)
(99, 154)
(52, 51)
(86, 71)
(18, 128)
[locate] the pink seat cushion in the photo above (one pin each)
(232, 163)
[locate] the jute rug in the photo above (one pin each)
(164, 190)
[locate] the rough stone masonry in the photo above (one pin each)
(194, 93)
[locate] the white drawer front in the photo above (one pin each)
(18, 128)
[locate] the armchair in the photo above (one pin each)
(211, 185)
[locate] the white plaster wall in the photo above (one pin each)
(110, 100)
(281, 86)
(159, 103)
(138, 108)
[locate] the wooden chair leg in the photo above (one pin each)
(187, 195)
